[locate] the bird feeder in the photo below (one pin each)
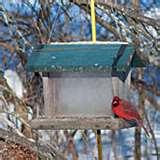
(77, 82)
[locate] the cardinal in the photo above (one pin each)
(127, 111)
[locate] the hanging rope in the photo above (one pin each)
(93, 20)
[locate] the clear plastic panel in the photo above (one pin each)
(84, 96)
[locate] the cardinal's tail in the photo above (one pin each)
(146, 131)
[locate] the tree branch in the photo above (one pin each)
(100, 20)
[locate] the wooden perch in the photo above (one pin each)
(79, 123)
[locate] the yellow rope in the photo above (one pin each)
(93, 20)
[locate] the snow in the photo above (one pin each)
(153, 13)
(152, 31)
(14, 82)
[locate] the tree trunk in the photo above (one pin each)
(137, 152)
(135, 3)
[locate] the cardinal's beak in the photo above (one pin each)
(114, 102)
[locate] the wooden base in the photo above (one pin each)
(79, 123)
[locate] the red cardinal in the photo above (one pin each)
(126, 110)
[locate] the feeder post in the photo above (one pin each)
(99, 144)
(135, 4)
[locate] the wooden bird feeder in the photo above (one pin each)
(77, 82)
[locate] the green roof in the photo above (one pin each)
(82, 57)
